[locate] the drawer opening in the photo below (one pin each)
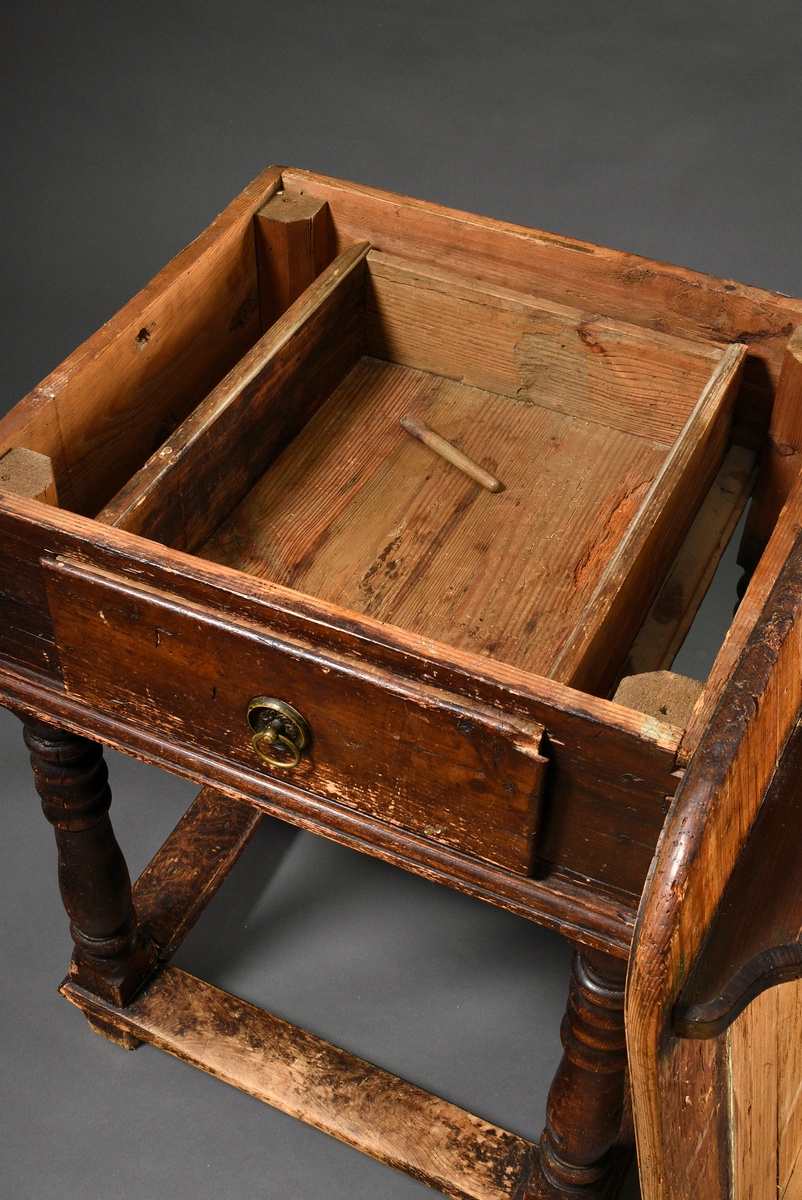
(298, 468)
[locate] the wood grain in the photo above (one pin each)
(753, 1069)
(458, 773)
(292, 248)
(574, 362)
(712, 815)
(789, 1090)
(626, 586)
(186, 872)
(348, 1098)
(676, 604)
(603, 759)
(623, 286)
(101, 413)
(182, 493)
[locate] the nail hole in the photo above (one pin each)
(143, 337)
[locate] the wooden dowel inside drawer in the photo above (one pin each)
(433, 441)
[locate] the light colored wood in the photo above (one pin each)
(676, 604)
(356, 513)
(433, 441)
(760, 585)
(706, 830)
(575, 362)
(663, 694)
(623, 286)
(180, 494)
(348, 1098)
(753, 1077)
(101, 412)
(27, 473)
(292, 248)
(591, 654)
(789, 1108)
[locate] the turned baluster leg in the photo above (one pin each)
(111, 958)
(586, 1101)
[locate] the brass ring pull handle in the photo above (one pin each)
(280, 733)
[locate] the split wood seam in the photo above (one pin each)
(433, 441)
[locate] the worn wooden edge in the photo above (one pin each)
(185, 874)
(286, 610)
(746, 617)
(291, 1069)
(403, 268)
(25, 472)
(704, 834)
(770, 968)
(37, 411)
(675, 606)
(754, 940)
(152, 481)
(645, 292)
(584, 911)
(576, 662)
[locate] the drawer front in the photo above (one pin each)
(456, 772)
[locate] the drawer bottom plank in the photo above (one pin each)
(298, 1073)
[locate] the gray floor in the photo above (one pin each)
(669, 130)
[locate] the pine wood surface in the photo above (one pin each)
(603, 758)
(386, 1117)
(182, 492)
(623, 286)
(358, 514)
(101, 413)
(711, 817)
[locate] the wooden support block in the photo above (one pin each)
(292, 248)
(27, 473)
(661, 694)
(291, 1069)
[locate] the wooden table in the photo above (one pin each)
(390, 520)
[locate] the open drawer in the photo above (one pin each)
(246, 515)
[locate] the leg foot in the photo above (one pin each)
(111, 958)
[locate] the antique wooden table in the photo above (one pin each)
(390, 520)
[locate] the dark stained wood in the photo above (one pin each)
(584, 910)
(455, 772)
(603, 759)
(755, 939)
(580, 1148)
(111, 956)
(185, 874)
(190, 484)
(101, 413)
(292, 248)
(348, 1098)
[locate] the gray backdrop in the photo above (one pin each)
(671, 130)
